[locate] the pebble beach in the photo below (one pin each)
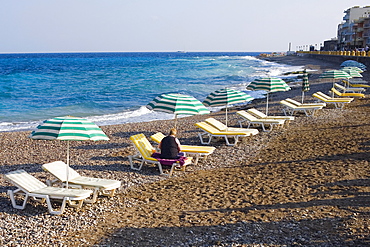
(307, 184)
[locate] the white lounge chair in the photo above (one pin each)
(58, 169)
(290, 108)
(222, 127)
(338, 102)
(252, 120)
(336, 92)
(261, 115)
(29, 186)
(294, 102)
(209, 132)
(349, 89)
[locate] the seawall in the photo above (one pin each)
(338, 58)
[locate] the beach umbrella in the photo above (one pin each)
(334, 74)
(226, 97)
(178, 104)
(352, 72)
(353, 68)
(305, 84)
(68, 128)
(353, 63)
(269, 84)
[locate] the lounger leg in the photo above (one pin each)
(263, 127)
(12, 199)
(240, 123)
(202, 140)
(131, 159)
(94, 195)
(160, 169)
(50, 207)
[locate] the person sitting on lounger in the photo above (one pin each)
(170, 146)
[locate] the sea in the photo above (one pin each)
(115, 87)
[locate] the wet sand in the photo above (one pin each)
(306, 184)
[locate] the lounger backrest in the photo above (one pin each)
(288, 104)
(323, 95)
(293, 102)
(24, 180)
(207, 127)
(319, 97)
(336, 91)
(256, 113)
(59, 170)
(143, 146)
(157, 137)
(339, 86)
(247, 115)
(217, 124)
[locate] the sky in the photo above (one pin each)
(168, 25)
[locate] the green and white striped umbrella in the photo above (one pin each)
(269, 84)
(226, 97)
(178, 104)
(352, 72)
(334, 74)
(353, 68)
(305, 84)
(68, 129)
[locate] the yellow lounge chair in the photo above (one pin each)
(349, 89)
(261, 115)
(58, 169)
(188, 149)
(252, 120)
(209, 131)
(338, 102)
(348, 83)
(222, 127)
(359, 95)
(144, 155)
(29, 186)
(290, 109)
(294, 102)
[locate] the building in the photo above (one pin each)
(354, 31)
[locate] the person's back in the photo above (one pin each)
(170, 146)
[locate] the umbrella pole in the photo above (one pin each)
(267, 103)
(302, 96)
(175, 120)
(226, 116)
(67, 164)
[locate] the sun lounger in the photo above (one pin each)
(252, 120)
(222, 127)
(58, 169)
(198, 151)
(294, 102)
(290, 109)
(359, 95)
(349, 89)
(29, 186)
(348, 83)
(338, 102)
(144, 154)
(209, 132)
(261, 115)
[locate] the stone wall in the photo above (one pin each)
(340, 59)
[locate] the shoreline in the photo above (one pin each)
(247, 194)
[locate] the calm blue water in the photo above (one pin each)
(113, 88)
